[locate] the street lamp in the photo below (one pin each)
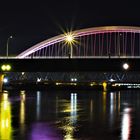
(6, 67)
(125, 66)
(7, 45)
(69, 38)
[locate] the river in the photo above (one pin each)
(70, 115)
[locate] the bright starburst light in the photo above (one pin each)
(69, 38)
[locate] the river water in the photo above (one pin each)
(70, 115)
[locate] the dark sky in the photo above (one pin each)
(31, 22)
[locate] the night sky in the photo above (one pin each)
(30, 22)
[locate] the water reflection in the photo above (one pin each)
(61, 116)
(22, 111)
(68, 124)
(113, 105)
(44, 131)
(126, 124)
(5, 118)
(91, 110)
(104, 102)
(73, 111)
(38, 105)
(56, 107)
(119, 101)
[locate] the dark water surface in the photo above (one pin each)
(65, 115)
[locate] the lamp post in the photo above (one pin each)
(7, 46)
(71, 51)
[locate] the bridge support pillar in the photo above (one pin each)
(1, 81)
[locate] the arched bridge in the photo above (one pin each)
(96, 42)
(93, 49)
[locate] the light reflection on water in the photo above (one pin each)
(73, 111)
(22, 112)
(68, 116)
(104, 101)
(112, 107)
(43, 131)
(68, 123)
(126, 124)
(38, 102)
(5, 118)
(91, 110)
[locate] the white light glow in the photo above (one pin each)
(5, 80)
(38, 79)
(125, 66)
(73, 79)
(111, 80)
(126, 124)
(23, 73)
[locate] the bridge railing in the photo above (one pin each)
(74, 57)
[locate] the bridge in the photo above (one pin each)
(82, 57)
(114, 41)
(71, 65)
(93, 49)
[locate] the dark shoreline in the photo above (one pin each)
(61, 86)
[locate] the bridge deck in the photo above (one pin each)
(75, 57)
(56, 65)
